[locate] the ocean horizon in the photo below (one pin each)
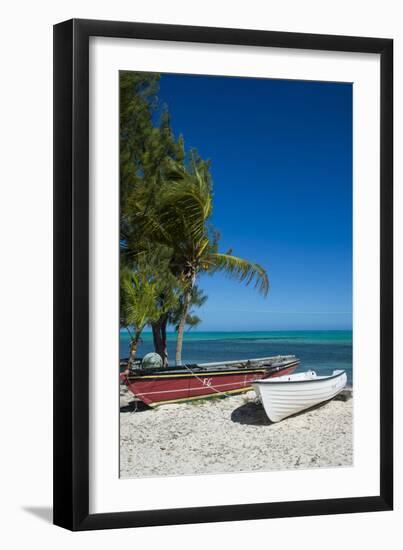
(320, 350)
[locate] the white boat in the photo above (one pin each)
(287, 395)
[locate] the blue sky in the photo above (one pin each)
(281, 154)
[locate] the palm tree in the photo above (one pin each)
(181, 223)
(140, 303)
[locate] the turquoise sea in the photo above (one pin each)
(320, 350)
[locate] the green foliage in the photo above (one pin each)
(240, 269)
(138, 296)
(137, 103)
(148, 291)
(167, 238)
(146, 151)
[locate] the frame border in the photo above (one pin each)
(71, 274)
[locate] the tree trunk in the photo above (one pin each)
(159, 338)
(182, 323)
(133, 348)
(164, 341)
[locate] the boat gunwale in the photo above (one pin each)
(176, 373)
(316, 379)
(139, 375)
(223, 364)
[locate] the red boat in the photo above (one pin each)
(156, 386)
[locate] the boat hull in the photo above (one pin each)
(284, 398)
(161, 388)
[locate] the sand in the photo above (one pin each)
(231, 435)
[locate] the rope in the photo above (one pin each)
(210, 386)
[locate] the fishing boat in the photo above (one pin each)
(287, 395)
(156, 385)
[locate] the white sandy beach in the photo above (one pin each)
(230, 435)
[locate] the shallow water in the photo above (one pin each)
(322, 351)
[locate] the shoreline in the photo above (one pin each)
(231, 434)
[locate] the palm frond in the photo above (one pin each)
(188, 205)
(240, 269)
